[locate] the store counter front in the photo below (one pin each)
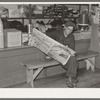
(11, 70)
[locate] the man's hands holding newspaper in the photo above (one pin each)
(72, 54)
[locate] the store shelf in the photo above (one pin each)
(15, 18)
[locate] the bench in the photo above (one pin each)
(38, 65)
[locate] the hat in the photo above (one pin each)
(69, 23)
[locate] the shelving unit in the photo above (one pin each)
(30, 17)
(39, 17)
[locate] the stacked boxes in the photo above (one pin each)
(12, 38)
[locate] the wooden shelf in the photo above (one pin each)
(38, 18)
(15, 18)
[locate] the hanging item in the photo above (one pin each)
(83, 18)
(83, 21)
(3, 11)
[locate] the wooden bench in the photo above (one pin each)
(88, 57)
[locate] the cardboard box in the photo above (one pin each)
(12, 38)
(14, 13)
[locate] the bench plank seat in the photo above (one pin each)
(33, 64)
(85, 55)
(88, 57)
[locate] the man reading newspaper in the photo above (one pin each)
(61, 50)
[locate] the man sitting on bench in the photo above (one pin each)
(65, 36)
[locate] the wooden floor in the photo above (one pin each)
(87, 79)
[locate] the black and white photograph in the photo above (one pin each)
(50, 45)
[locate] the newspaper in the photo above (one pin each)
(50, 47)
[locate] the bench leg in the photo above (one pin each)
(90, 63)
(37, 72)
(31, 76)
(92, 60)
(27, 76)
(30, 72)
(45, 72)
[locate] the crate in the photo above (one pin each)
(12, 38)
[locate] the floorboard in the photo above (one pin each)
(87, 79)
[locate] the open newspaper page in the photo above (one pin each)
(50, 47)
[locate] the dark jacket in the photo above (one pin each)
(59, 36)
(71, 65)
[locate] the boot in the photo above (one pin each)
(71, 83)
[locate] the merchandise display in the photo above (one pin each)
(59, 11)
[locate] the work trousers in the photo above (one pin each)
(71, 67)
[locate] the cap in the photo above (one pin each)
(69, 23)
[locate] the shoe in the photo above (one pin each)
(70, 84)
(75, 80)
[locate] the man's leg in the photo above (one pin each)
(71, 67)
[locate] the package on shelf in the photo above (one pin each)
(39, 7)
(12, 38)
(37, 11)
(14, 13)
(11, 10)
(24, 37)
